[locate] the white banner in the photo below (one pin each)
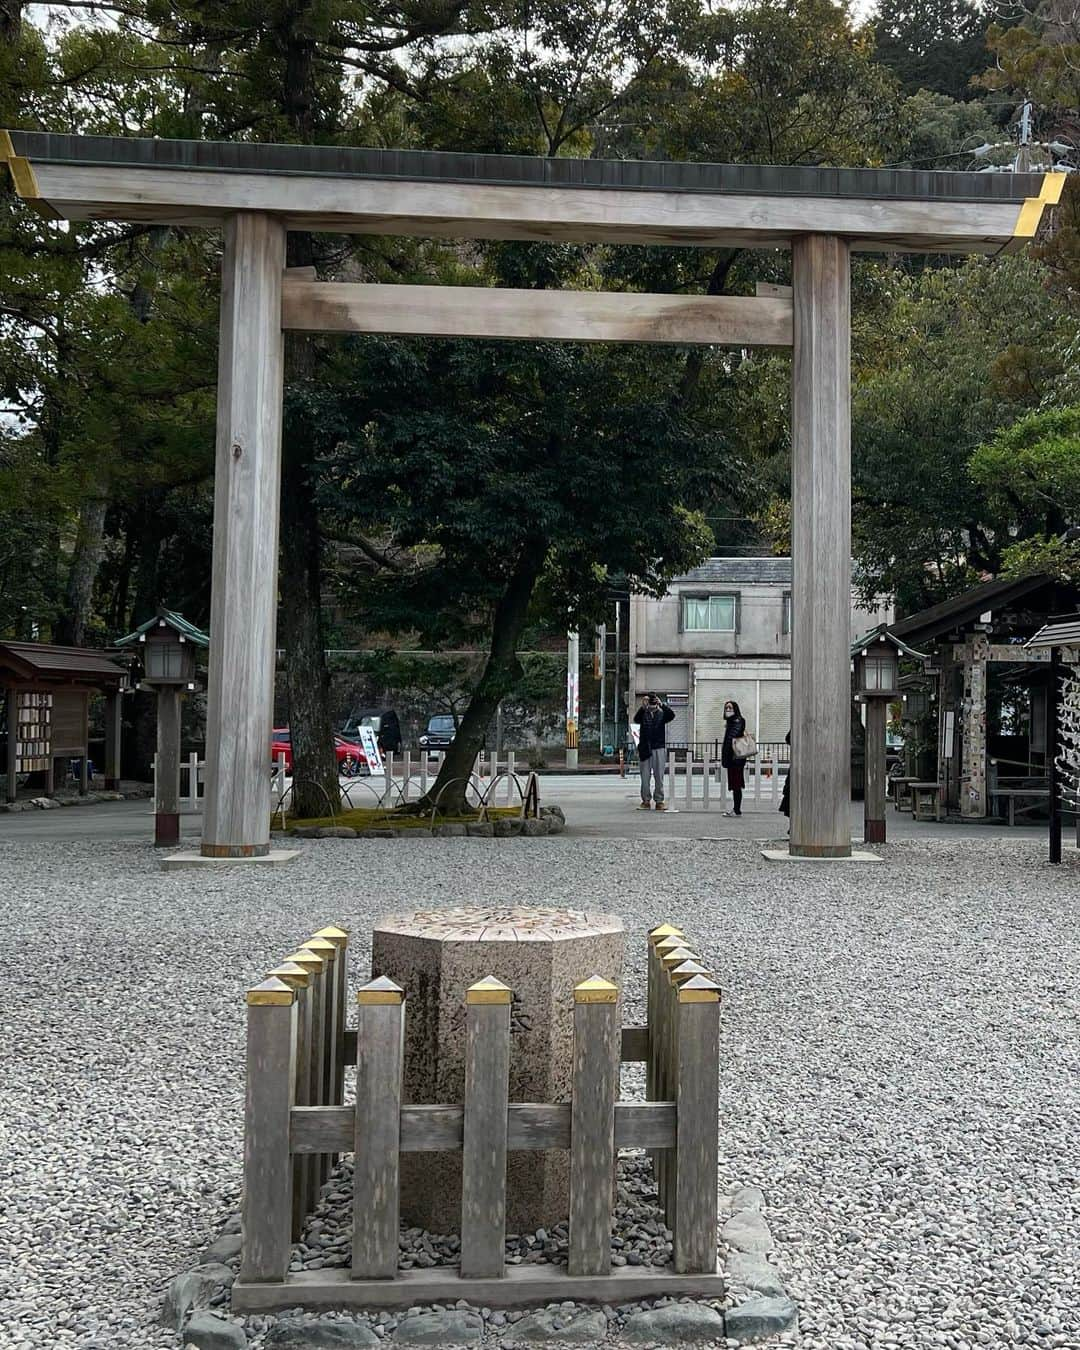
(371, 750)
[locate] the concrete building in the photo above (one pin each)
(723, 631)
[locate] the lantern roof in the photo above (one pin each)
(881, 634)
(167, 618)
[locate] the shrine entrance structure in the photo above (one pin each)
(257, 193)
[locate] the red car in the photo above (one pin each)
(350, 757)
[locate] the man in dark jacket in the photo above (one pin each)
(652, 718)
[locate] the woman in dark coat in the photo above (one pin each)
(785, 799)
(734, 726)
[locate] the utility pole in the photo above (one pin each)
(600, 673)
(1023, 153)
(573, 660)
(618, 670)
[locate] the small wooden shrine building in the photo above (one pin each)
(48, 692)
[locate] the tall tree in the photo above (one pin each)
(937, 45)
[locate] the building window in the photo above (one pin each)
(710, 613)
(785, 617)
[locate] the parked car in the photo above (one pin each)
(382, 721)
(439, 734)
(350, 756)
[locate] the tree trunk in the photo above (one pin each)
(85, 561)
(502, 670)
(315, 776)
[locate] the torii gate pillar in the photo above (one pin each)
(247, 491)
(821, 549)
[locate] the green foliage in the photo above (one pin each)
(1042, 556)
(1031, 471)
(938, 132)
(936, 377)
(935, 45)
(492, 452)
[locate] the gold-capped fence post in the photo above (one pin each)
(332, 1029)
(671, 952)
(315, 964)
(697, 1089)
(380, 1052)
(305, 1165)
(652, 1015)
(594, 1092)
(340, 938)
(266, 1206)
(483, 1159)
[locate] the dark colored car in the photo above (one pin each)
(382, 721)
(439, 734)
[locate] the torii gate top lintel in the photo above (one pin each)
(355, 190)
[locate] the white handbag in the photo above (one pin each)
(744, 747)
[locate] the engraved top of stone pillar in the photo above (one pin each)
(499, 923)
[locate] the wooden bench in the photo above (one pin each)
(927, 801)
(1011, 794)
(900, 787)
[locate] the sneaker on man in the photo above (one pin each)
(660, 806)
(645, 806)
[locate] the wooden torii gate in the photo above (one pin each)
(257, 193)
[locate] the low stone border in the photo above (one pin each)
(552, 820)
(757, 1307)
(73, 799)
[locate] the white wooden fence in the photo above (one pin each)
(695, 780)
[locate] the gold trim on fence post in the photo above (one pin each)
(662, 931)
(311, 961)
(327, 950)
(380, 992)
(674, 958)
(293, 974)
(488, 990)
(271, 993)
(699, 990)
(338, 936)
(686, 971)
(596, 990)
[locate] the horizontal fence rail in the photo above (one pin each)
(297, 1123)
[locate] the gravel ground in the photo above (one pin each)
(900, 1073)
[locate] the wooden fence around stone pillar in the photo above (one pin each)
(297, 1122)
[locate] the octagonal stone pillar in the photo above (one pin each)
(541, 954)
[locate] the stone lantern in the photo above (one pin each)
(167, 646)
(876, 662)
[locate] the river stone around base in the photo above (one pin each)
(295, 1334)
(207, 1331)
(541, 954)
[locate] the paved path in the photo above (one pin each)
(596, 806)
